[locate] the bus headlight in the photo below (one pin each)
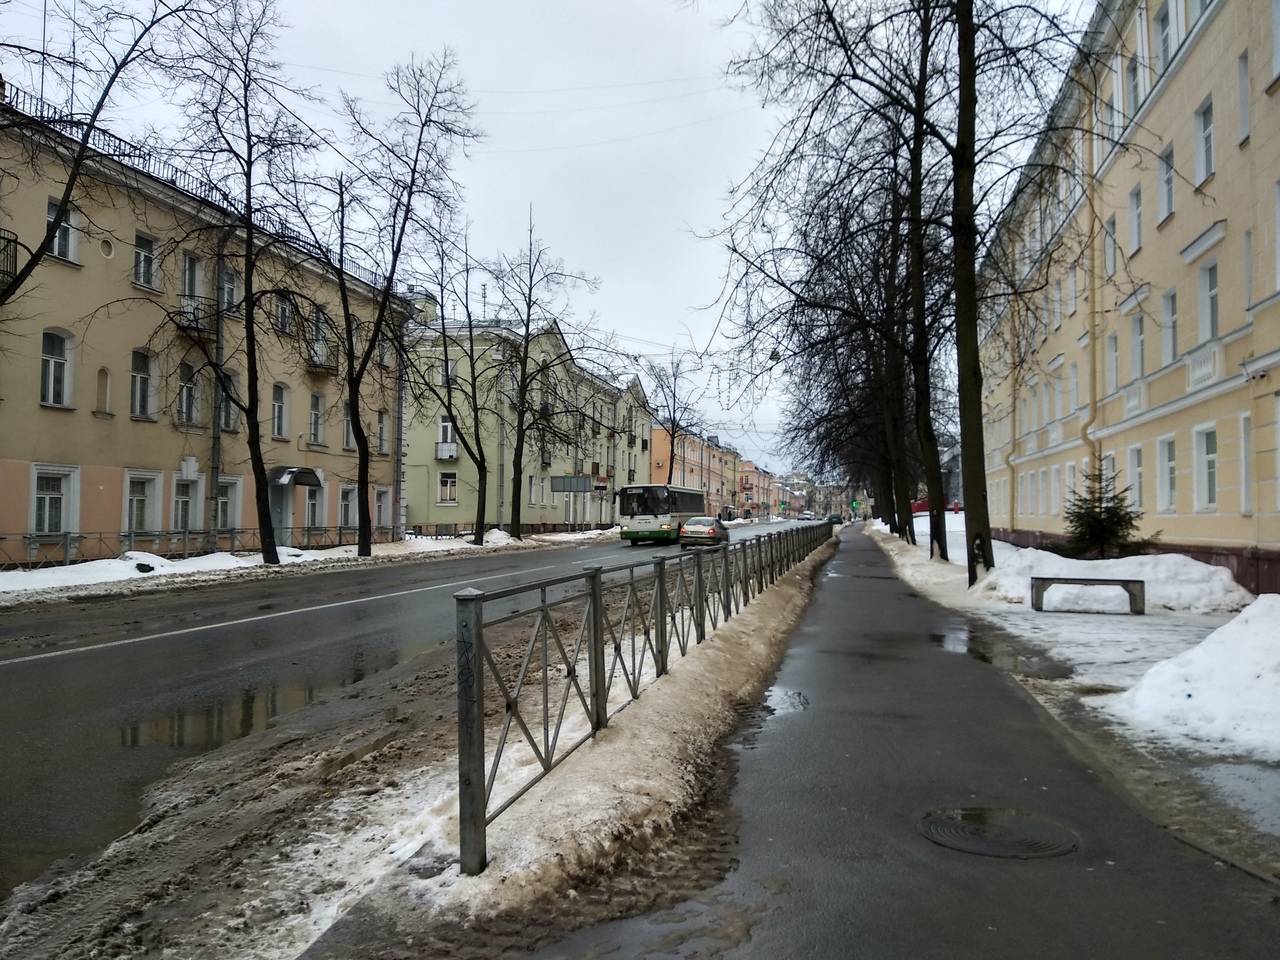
(624, 527)
(666, 526)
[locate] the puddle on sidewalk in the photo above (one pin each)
(983, 645)
(781, 700)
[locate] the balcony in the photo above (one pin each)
(321, 357)
(197, 316)
(8, 255)
(1135, 398)
(446, 451)
(1205, 365)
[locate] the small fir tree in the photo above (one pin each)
(1101, 520)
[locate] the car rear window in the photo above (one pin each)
(699, 521)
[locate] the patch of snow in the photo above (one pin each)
(1222, 694)
(612, 533)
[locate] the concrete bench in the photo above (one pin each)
(1136, 589)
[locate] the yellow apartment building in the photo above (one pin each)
(1144, 338)
(587, 428)
(112, 436)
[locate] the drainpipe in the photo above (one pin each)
(1094, 295)
(215, 445)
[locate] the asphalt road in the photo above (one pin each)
(124, 687)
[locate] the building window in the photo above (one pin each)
(1112, 361)
(140, 384)
(227, 299)
(1204, 141)
(1242, 88)
(542, 490)
(141, 495)
(1206, 452)
(316, 423)
(1167, 462)
(1108, 466)
(228, 413)
(1166, 183)
(1057, 304)
(1135, 477)
(62, 246)
(314, 514)
(1164, 38)
(1109, 245)
(1170, 333)
(381, 508)
(1055, 500)
(186, 393)
(183, 494)
(1132, 92)
(1071, 480)
(279, 423)
(1110, 123)
(446, 430)
(1135, 220)
(53, 369)
(448, 492)
(1246, 464)
(224, 500)
(1138, 354)
(348, 435)
(190, 275)
(382, 431)
(144, 261)
(1072, 280)
(1208, 302)
(51, 496)
(347, 513)
(282, 315)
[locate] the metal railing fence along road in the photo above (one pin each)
(543, 665)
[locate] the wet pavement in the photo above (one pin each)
(89, 728)
(886, 709)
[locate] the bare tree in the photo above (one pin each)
(676, 395)
(116, 42)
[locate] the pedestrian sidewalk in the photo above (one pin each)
(896, 724)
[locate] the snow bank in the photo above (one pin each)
(1173, 581)
(1223, 693)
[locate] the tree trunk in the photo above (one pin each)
(517, 471)
(364, 536)
(482, 496)
(979, 555)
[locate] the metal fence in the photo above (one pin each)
(543, 665)
(33, 551)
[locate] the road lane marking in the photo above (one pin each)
(267, 616)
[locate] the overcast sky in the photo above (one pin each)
(610, 117)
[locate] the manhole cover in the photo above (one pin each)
(992, 832)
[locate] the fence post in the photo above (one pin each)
(759, 565)
(660, 614)
(66, 548)
(599, 697)
(773, 558)
(726, 587)
(471, 785)
(745, 557)
(699, 598)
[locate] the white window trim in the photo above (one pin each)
(1136, 477)
(1205, 166)
(234, 500)
(70, 498)
(284, 432)
(447, 503)
(1164, 502)
(198, 502)
(1248, 480)
(1204, 321)
(322, 507)
(373, 506)
(70, 349)
(1200, 464)
(355, 506)
(158, 493)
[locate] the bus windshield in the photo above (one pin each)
(644, 501)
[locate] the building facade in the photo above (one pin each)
(594, 436)
(702, 463)
(114, 436)
(757, 491)
(1142, 339)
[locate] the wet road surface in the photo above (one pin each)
(884, 713)
(122, 688)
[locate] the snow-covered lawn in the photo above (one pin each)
(135, 568)
(1191, 674)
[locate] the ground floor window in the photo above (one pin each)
(223, 504)
(382, 508)
(448, 492)
(1206, 453)
(1167, 486)
(1135, 477)
(314, 515)
(141, 508)
(183, 494)
(51, 494)
(347, 510)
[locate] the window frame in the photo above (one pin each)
(1135, 465)
(1248, 501)
(141, 386)
(69, 505)
(280, 412)
(1206, 160)
(56, 370)
(64, 245)
(1135, 219)
(144, 261)
(1207, 480)
(154, 481)
(1167, 473)
(186, 401)
(1168, 183)
(447, 482)
(315, 418)
(1210, 289)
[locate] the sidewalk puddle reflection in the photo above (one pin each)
(961, 638)
(781, 700)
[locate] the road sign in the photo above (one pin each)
(571, 484)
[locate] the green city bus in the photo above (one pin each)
(653, 512)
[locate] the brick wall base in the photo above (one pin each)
(1255, 568)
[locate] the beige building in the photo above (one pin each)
(702, 463)
(757, 491)
(1146, 340)
(593, 431)
(113, 436)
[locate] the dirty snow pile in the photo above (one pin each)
(1173, 581)
(1223, 693)
(575, 535)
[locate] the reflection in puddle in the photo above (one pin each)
(782, 700)
(208, 724)
(989, 649)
